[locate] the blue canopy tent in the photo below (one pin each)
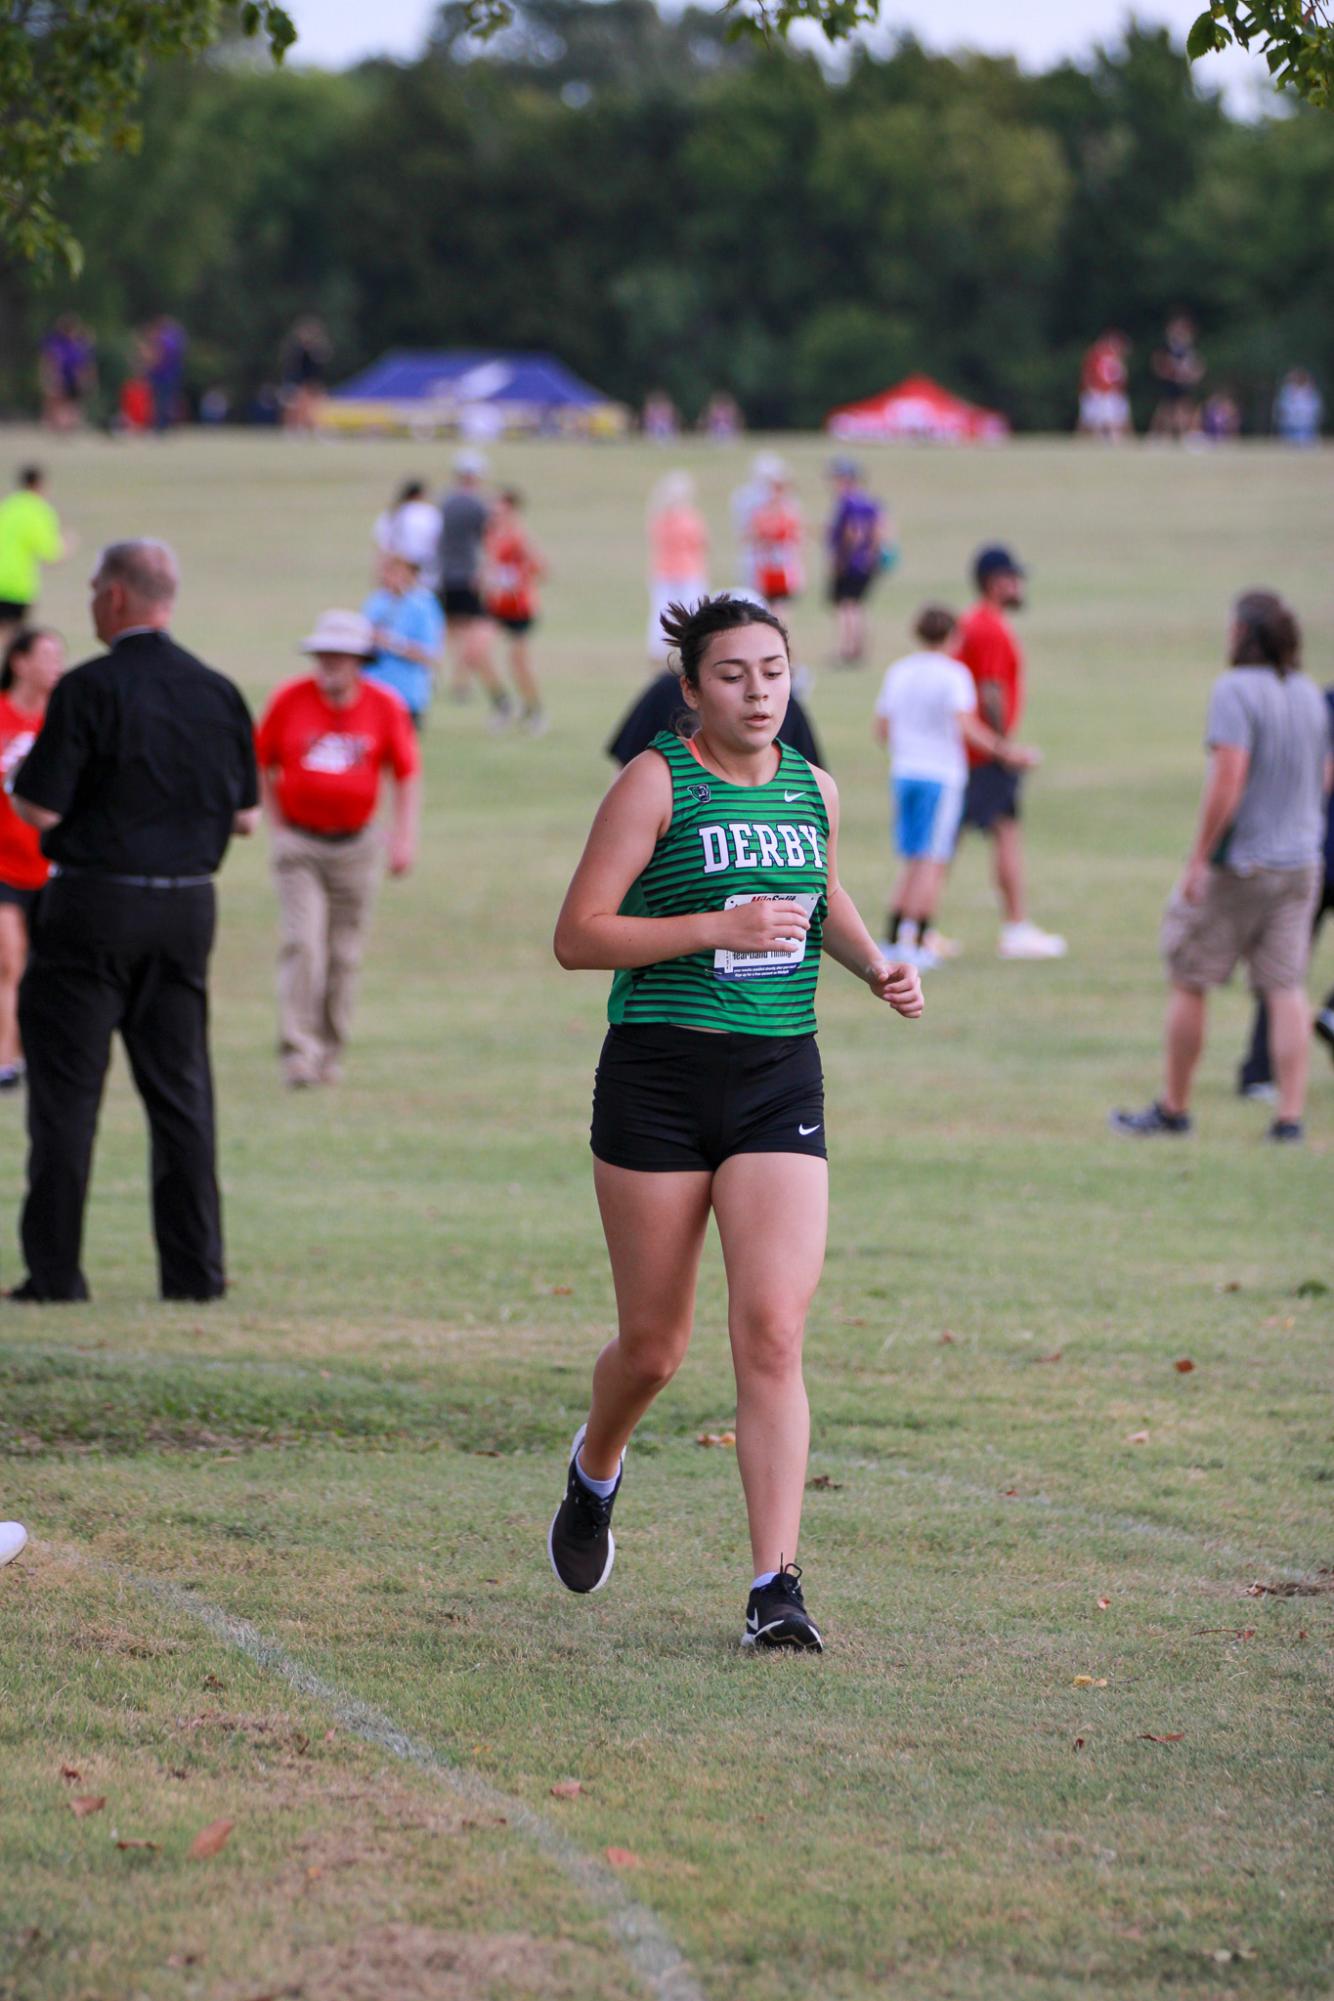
(476, 392)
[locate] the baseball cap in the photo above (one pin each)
(994, 561)
(341, 632)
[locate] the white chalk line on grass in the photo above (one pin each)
(652, 1956)
(1062, 1511)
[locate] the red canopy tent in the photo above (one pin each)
(917, 407)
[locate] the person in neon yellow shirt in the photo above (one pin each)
(29, 536)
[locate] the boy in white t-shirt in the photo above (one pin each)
(926, 712)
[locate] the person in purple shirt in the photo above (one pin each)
(67, 368)
(860, 545)
(167, 344)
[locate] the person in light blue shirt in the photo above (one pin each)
(409, 635)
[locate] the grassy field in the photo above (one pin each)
(1071, 1736)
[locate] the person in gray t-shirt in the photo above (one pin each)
(1250, 886)
(469, 633)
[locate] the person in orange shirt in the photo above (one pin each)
(678, 543)
(513, 568)
(34, 662)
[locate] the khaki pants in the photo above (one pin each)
(326, 892)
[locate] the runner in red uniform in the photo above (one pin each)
(775, 537)
(34, 662)
(513, 570)
(1104, 407)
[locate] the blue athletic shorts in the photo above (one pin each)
(926, 818)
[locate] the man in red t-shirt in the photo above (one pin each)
(322, 744)
(989, 650)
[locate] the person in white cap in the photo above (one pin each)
(13, 1539)
(323, 742)
(464, 516)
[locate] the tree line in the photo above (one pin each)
(663, 207)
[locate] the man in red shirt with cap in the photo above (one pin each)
(322, 744)
(989, 650)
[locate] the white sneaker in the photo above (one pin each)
(919, 956)
(943, 947)
(13, 1537)
(1026, 941)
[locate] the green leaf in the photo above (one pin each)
(1205, 36)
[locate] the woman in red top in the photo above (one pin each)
(513, 569)
(34, 663)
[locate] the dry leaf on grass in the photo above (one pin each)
(1054, 1356)
(1087, 1681)
(566, 1789)
(716, 1438)
(179, 1959)
(823, 1484)
(72, 1777)
(623, 1858)
(562, 1291)
(1104, 1604)
(139, 1844)
(1079, 1743)
(210, 1840)
(214, 1681)
(1184, 1366)
(1229, 1285)
(948, 1340)
(1138, 1438)
(1168, 1737)
(88, 1803)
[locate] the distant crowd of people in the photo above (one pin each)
(114, 820)
(1183, 410)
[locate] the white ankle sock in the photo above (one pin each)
(765, 1577)
(602, 1488)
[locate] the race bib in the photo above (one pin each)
(774, 965)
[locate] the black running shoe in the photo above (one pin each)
(776, 1615)
(1286, 1132)
(1153, 1122)
(580, 1543)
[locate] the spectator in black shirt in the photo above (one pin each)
(144, 769)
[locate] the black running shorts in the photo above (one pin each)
(992, 794)
(672, 1100)
(461, 601)
(23, 899)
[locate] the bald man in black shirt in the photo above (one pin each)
(143, 771)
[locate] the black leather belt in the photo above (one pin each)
(322, 834)
(61, 869)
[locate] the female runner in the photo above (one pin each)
(709, 885)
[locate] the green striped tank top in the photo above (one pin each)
(727, 844)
